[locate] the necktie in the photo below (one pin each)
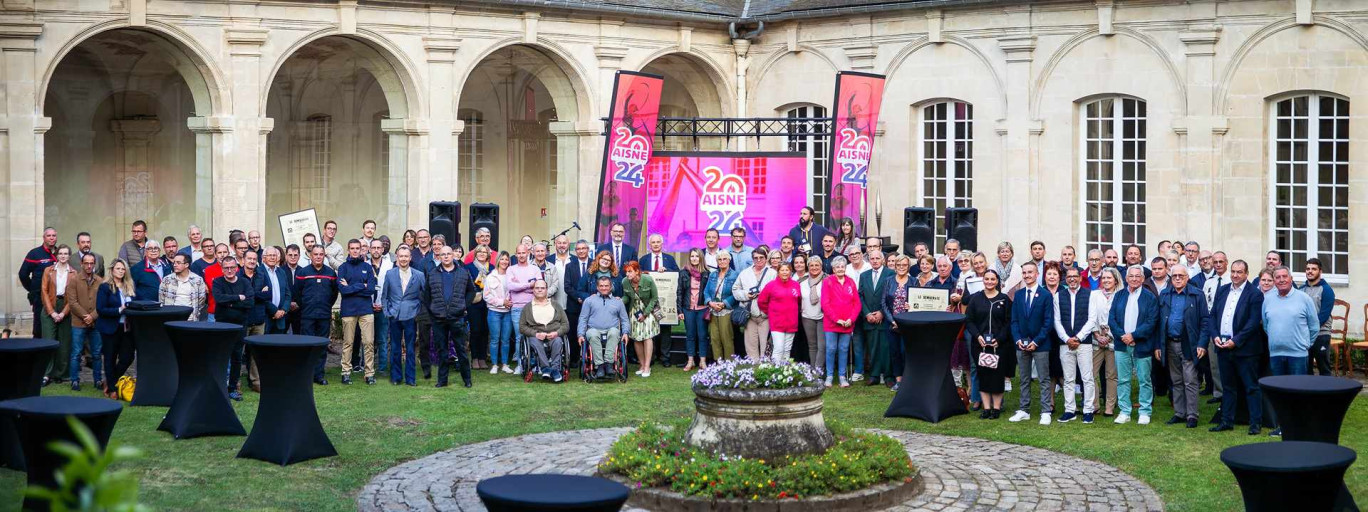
(1030, 297)
(657, 263)
(617, 253)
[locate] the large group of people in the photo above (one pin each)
(1186, 323)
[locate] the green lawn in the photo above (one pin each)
(378, 427)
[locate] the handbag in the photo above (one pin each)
(985, 358)
(741, 314)
(125, 387)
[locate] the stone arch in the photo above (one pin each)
(777, 57)
(1223, 88)
(573, 70)
(923, 42)
(1047, 72)
(723, 89)
(200, 72)
(384, 60)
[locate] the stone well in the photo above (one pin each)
(759, 423)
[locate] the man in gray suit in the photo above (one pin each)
(403, 290)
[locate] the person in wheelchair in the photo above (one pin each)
(544, 325)
(603, 314)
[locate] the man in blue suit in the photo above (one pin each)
(658, 261)
(148, 273)
(622, 253)
(1132, 318)
(575, 270)
(1236, 331)
(1032, 319)
(403, 290)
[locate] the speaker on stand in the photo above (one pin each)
(919, 225)
(962, 224)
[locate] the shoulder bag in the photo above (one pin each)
(988, 359)
(741, 314)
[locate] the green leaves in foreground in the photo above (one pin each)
(85, 483)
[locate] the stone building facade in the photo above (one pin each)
(1088, 123)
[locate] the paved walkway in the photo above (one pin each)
(960, 474)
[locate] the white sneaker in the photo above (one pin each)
(1044, 419)
(1008, 386)
(644, 375)
(506, 369)
(517, 370)
(1019, 417)
(1122, 419)
(638, 372)
(828, 382)
(1144, 420)
(857, 377)
(494, 370)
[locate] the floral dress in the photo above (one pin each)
(648, 327)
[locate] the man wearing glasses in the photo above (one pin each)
(132, 250)
(183, 288)
(1091, 277)
(235, 299)
(254, 244)
(207, 257)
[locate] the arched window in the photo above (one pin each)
(947, 159)
(470, 159)
(1310, 176)
(1113, 172)
(806, 136)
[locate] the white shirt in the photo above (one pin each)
(1193, 267)
(657, 262)
(1073, 299)
(1228, 314)
(1212, 284)
(60, 273)
(854, 273)
(184, 292)
(710, 258)
(617, 253)
(1132, 310)
(405, 273)
(809, 310)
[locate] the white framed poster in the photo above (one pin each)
(667, 286)
(293, 227)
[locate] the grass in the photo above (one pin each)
(377, 427)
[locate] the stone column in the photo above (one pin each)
(1200, 148)
(239, 141)
(1018, 188)
(21, 162)
(741, 48)
(574, 142)
(408, 142)
(439, 180)
(135, 181)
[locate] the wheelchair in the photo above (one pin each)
(527, 358)
(619, 365)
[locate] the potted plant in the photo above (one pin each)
(758, 409)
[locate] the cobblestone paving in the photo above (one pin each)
(960, 474)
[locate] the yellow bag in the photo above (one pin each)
(125, 387)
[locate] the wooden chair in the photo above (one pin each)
(1339, 353)
(1360, 346)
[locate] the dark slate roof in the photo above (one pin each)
(734, 10)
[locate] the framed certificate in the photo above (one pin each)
(293, 227)
(666, 285)
(927, 299)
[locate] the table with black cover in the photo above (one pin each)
(536, 493)
(927, 391)
(22, 364)
(1310, 407)
(1292, 475)
(201, 406)
(157, 374)
(41, 420)
(287, 429)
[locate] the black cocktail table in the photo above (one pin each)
(287, 429)
(156, 360)
(22, 364)
(41, 420)
(927, 391)
(1291, 475)
(1310, 407)
(536, 493)
(201, 406)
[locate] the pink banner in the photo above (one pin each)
(626, 151)
(855, 116)
(687, 193)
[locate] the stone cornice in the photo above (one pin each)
(1018, 48)
(441, 48)
(1200, 40)
(610, 57)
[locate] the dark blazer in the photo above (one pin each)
(286, 281)
(1036, 323)
(261, 290)
(1144, 325)
(629, 253)
(146, 281)
(1248, 325)
(668, 263)
(872, 297)
(1195, 319)
(574, 295)
(107, 303)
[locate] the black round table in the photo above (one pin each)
(927, 391)
(1310, 407)
(533, 493)
(201, 406)
(41, 420)
(1291, 475)
(22, 364)
(156, 361)
(287, 429)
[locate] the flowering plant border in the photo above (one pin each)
(748, 373)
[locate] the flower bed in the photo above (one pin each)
(657, 456)
(747, 373)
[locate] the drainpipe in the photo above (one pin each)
(741, 45)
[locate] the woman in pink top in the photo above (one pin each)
(840, 306)
(499, 318)
(780, 302)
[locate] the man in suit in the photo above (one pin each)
(1074, 324)
(621, 251)
(1132, 318)
(83, 248)
(1032, 319)
(1236, 331)
(575, 271)
(560, 258)
(1218, 276)
(871, 287)
(1182, 325)
(403, 291)
(276, 298)
(658, 261)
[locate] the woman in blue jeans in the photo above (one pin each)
(500, 304)
(693, 305)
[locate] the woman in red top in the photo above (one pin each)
(840, 307)
(779, 301)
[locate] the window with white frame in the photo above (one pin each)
(947, 159)
(806, 136)
(470, 156)
(314, 162)
(1113, 172)
(1310, 174)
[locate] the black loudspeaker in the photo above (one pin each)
(919, 225)
(444, 218)
(484, 215)
(962, 224)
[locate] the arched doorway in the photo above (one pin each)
(121, 148)
(519, 148)
(338, 145)
(690, 90)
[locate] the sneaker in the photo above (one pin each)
(638, 372)
(1087, 418)
(494, 370)
(845, 383)
(517, 370)
(1277, 432)
(1122, 419)
(1067, 417)
(857, 377)
(646, 375)
(556, 376)
(828, 382)
(1019, 417)
(1144, 420)
(346, 378)
(894, 388)
(508, 370)
(546, 375)
(235, 396)
(1045, 418)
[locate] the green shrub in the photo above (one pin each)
(657, 456)
(85, 483)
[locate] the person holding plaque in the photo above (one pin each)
(989, 326)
